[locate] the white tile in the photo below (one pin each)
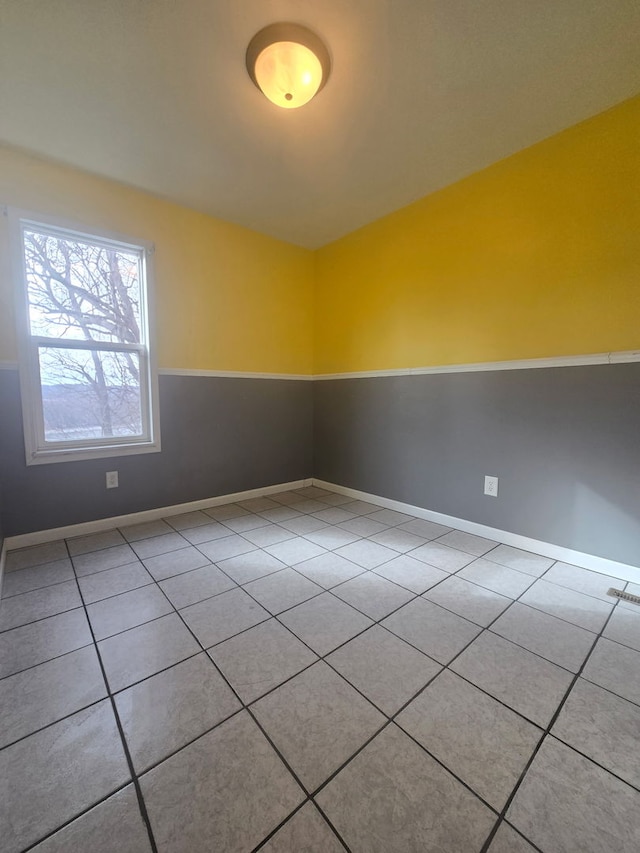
(248, 567)
(582, 580)
(188, 520)
(191, 587)
(216, 619)
(224, 792)
(412, 574)
(500, 579)
(331, 537)
(476, 545)
(282, 590)
(281, 513)
(114, 824)
(307, 830)
(398, 540)
(485, 744)
(442, 557)
(522, 561)
(525, 682)
(36, 577)
(121, 612)
(325, 622)
(363, 526)
(145, 650)
(94, 542)
(244, 523)
(38, 604)
(373, 595)
(507, 840)
(390, 517)
(568, 803)
(383, 667)
(551, 638)
(467, 599)
(165, 712)
(624, 627)
(59, 772)
(175, 563)
(40, 641)
(145, 530)
(435, 631)
(270, 535)
(206, 533)
(309, 505)
(366, 554)
(303, 525)
(155, 545)
(334, 515)
(222, 549)
(224, 511)
(45, 693)
(261, 658)
(603, 727)
(113, 581)
(328, 570)
(575, 607)
(394, 797)
(294, 551)
(425, 529)
(317, 721)
(616, 668)
(36, 555)
(108, 558)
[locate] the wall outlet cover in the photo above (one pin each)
(112, 479)
(491, 486)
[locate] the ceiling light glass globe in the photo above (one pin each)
(289, 74)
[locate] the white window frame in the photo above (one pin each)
(37, 450)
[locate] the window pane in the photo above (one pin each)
(90, 394)
(80, 290)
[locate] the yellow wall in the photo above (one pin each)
(226, 298)
(537, 255)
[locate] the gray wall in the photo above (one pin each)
(1, 521)
(218, 436)
(565, 443)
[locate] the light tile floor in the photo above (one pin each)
(305, 672)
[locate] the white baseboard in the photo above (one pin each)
(11, 543)
(547, 549)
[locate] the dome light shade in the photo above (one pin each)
(288, 63)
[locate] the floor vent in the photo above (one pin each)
(624, 596)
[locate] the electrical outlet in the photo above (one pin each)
(112, 479)
(491, 486)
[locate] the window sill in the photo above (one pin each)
(45, 457)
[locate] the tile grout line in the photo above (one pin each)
(248, 709)
(248, 706)
(374, 622)
(364, 571)
(284, 566)
(80, 814)
(546, 733)
(134, 778)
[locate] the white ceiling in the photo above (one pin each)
(155, 93)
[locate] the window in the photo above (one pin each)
(88, 388)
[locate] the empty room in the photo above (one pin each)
(319, 426)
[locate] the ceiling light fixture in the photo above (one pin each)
(288, 63)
